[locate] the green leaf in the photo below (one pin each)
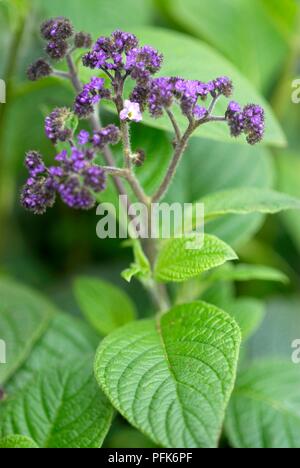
(198, 61)
(249, 314)
(248, 200)
(94, 15)
(44, 398)
(17, 441)
(177, 262)
(253, 167)
(141, 267)
(229, 26)
(265, 408)
(249, 273)
(105, 306)
(59, 408)
(24, 317)
(279, 329)
(288, 181)
(172, 379)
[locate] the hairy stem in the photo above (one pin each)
(174, 124)
(158, 292)
(179, 150)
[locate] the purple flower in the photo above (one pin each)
(83, 40)
(39, 69)
(109, 135)
(140, 94)
(200, 112)
(56, 125)
(131, 111)
(143, 62)
(34, 163)
(76, 179)
(233, 108)
(94, 178)
(250, 121)
(57, 50)
(56, 29)
(254, 123)
(91, 94)
(221, 86)
(160, 96)
(109, 52)
(75, 195)
(38, 194)
(83, 137)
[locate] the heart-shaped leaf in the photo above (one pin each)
(265, 408)
(172, 379)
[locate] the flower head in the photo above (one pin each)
(83, 40)
(109, 135)
(57, 29)
(76, 179)
(143, 62)
(250, 121)
(131, 111)
(91, 94)
(108, 52)
(38, 194)
(39, 69)
(34, 163)
(57, 50)
(83, 137)
(56, 127)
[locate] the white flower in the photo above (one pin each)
(131, 111)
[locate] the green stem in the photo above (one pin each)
(7, 188)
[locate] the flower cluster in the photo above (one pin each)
(57, 31)
(39, 69)
(56, 125)
(61, 39)
(76, 179)
(250, 121)
(109, 135)
(121, 53)
(91, 94)
(163, 91)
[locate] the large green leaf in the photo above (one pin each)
(243, 272)
(279, 329)
(59, 408)
(241, 29)
(211, 166)
(246, 201)
(264, 411)
(172, 379)
(24, 317)
(249, 314)
(95, 15)
(178, 262)
(52, 398)
(288, 180)
(66, 339)
(105, 306)
(16, 441)
(193, 59)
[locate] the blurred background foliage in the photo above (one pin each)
(260, 39)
